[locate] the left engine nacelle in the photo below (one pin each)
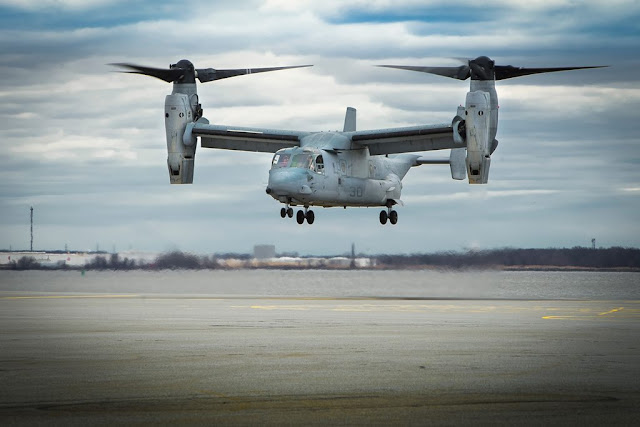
(177, 114)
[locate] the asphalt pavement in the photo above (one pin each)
(78, 359)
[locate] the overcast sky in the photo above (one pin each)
(86, 146)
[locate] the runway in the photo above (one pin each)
(102, 358)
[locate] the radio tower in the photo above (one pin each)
(31, 228)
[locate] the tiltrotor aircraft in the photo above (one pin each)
(348, 168)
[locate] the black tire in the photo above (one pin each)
(310, 217)
(283, 212)
(383, 217)
(300, 217)
(393, 217)
(290, 212)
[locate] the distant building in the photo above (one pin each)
(264, 251)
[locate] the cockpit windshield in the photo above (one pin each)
(280, 160)
(300, 160)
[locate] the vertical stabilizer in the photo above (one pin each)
(350, 120)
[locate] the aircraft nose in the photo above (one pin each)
(287, 182)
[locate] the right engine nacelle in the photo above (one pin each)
(477, 122)
(177, 114)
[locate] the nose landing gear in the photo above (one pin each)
(300, 216)
(286, 212)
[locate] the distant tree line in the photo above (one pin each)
(25, 263)
(172, 260)
(603, 258)
(179, 260)
(113, 262)
(615, 257)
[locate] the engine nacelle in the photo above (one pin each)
(477, 123)
(177, 114)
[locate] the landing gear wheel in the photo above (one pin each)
(393, 217)
(283, 212)
(300, 217)
(383, 217)
(310, 217)
(290, 212)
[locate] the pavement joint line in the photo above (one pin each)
(69, 296)
(611, 311)
(309, 298)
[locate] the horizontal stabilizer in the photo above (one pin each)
(425, 161)
(457, 163)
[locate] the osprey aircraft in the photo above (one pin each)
(360, 168)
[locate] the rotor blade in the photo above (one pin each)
(507, 71)
(167, 74)
(461, 60)
(210, 74)
(461, 73)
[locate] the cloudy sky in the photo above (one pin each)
(85, 146)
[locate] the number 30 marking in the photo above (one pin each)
(356, 192)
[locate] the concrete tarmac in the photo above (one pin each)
(77, 359)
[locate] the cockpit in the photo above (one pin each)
(297, 158)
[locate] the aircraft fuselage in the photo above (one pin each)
(319, 174)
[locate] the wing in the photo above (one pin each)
(245, 139)
(406, 140)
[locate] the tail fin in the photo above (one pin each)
(350, 120)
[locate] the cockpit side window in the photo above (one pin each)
(319, 164)
(280, 161)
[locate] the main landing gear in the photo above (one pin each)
(307, 214)
(389, 214)
(300, 216)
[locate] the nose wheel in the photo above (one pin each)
(286, 212)
(390, 215)
(301, 215)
